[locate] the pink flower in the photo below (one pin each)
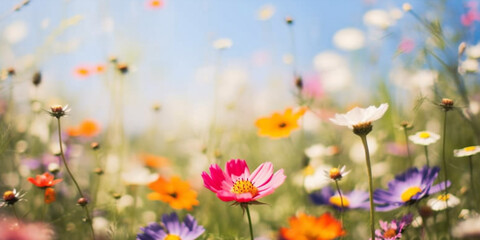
(312, 87)
(237, 184)
(406, 45)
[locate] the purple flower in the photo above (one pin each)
(394, 229)
(351, 200)
(407, 188)
(172, 228)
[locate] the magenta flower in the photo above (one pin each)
(393, 230)
(237, 184)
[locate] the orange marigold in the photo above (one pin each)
(154, 161)
(279, 125)
(87, 128)
(305, 227)
(175, 192)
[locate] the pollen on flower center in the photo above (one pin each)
(172, 237)
(469, 149)
(244, 186)
(409, 193)
(337, 201)
(335, 173)
(444, 197)
(282, 125)
(8, 196)
(390, 233)
(424, 135)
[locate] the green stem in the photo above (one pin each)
(15, 212)
(134, 208)
(341, 202)
(89, 220)
(370, 185)
(249, 221)
(408, 149)
(426, 156)
(474, 192)
(444, 161)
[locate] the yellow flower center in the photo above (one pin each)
(409, 193)
(244, 186)
(390, 233)
(335, 173)
(469, 149)
(172, 237)
(8, 196)
(282, 125)
(424, 135)
(337, 201)
(308, 171)
(444, 197)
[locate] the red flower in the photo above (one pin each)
(45, 180)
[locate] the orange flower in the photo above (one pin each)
(279, 125)
(73, 131)
(154, 4)
(154, 161)
(44, 181)
(87, 128)
(100, 68)
(82, 71)
(50, 195)
(305, 227)
(175, 192)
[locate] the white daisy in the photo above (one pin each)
(138, 176)
(336, 173)
(360, 116)
(469, 228)
(424, 138)
(442, 202)
(467, 151)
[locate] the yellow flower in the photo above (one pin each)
(279, 125)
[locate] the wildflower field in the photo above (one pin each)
(209, 119)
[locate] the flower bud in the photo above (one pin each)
(407, 7)
(289, 20)
(98, 171)
(122, 67)
(82, 202)
(37, 78)
(95, 145)
(447, 104)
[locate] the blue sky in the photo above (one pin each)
(168, 46)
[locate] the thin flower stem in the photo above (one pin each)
(408, 149)
(249, 221)
(15, 212)
(341, 202)
(89, 220)
(370, 185)
(474, 192)
(134, 208)
(426, 155)
(447, 215)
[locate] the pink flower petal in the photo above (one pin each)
(262, 174)
(237, 168)
(225, 196)
(244, 197)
